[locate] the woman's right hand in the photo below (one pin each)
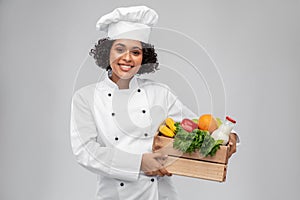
(152, 164)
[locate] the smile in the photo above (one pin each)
(125, 67)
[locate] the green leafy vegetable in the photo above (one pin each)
(184, 140)
(217, 145)
(177, 125)
(197, 140)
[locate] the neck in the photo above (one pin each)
(121, 83)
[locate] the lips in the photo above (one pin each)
(125, 68)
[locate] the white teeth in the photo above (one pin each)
(125, 66)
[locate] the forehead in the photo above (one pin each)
(128, 43)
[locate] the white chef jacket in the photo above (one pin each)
(112, 128)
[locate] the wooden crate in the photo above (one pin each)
(193, 165)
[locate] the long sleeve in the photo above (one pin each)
(177, 110)
(95, 155)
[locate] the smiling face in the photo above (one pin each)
(125, 58)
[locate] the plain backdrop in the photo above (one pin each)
(254, 44)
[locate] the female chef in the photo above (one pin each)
(113, 121)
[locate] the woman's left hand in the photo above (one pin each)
(232, 144)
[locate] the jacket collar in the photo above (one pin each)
(133, 84)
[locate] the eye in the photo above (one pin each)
(119, 50)
(136, 53)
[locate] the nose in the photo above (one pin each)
(126, 57)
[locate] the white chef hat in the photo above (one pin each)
(128, 23)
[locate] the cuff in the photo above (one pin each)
(237, 137)
(126, 165)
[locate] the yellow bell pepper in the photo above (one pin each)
(171, 124)
(163, 129)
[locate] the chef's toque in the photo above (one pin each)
(128, 23)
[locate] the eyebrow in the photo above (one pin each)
(135, 47)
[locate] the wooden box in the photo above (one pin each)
(192, 165)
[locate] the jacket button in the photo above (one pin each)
(122, 184)
(144, 111)
(112, 114)
(116, 138)
(109, 94)
(145, 134)
(152, 179)
(139, 90)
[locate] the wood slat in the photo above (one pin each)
(196, 168)
(192, 165)
(165, 145)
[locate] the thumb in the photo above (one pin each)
(159, 155)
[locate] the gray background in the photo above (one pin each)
(254, 43)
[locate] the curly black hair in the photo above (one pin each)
(101, 53)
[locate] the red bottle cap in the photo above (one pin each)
(230, 119)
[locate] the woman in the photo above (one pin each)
(113, 122)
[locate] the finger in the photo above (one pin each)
(232, 138)
(229, 154)
(229, 146)
(164, 171)
(159, 155)
(159, 173)
(163, 160)
(232, 150)
(149, 173)
(164, 157)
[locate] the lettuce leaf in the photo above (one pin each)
(198, 140)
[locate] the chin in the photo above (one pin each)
(125, 75)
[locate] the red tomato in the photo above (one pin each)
(188, 125)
